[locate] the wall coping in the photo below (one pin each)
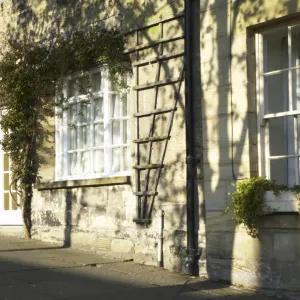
(284, 202)
(83, 183)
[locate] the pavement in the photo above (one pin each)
(33, 270)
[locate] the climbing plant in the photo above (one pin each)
(32, 76)
(248, 201)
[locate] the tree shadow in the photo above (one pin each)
(68, 220)
(82, 215)
(223, 131)
(230, 147)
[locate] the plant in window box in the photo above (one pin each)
(256, 197)
(31, 75)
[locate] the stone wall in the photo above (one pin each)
(100, 219)
(98, 216)
(227, 106)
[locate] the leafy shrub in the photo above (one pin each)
(248, 201)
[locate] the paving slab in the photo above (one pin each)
(41, 271)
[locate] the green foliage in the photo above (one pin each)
(32, 75)
(247, 201)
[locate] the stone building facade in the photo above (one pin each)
(236, 47)
(97, 211)
(244, 73)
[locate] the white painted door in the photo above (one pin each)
(10, 213)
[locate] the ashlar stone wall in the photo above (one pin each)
(227, 106)
(98, 215)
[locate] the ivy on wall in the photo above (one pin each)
(248, 201)
(32, 76)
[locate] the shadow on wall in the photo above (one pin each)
(226, 137)
(36, 21)
(68, 220)
(221, 140)
(216, 138)
(230, 142)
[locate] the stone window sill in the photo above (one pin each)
(285, 202)
(83, 183)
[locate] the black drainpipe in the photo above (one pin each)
(192, 263)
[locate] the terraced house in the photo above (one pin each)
(213, 99)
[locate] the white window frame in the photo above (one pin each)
(10, 216)
(263, 118)
(62, 163)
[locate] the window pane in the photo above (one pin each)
(275, 49)
(125, 105)
(112, 86)
(114, 106)
(283, 171)
(295, 45)
(14, 186)
(84, 162)
(115, 134)
(99, 161)
(73, 114)
(14, 201)
(98, 108)
(84, 137)
(71, 88)
(6, 201)
(296, 89)
(115, 163)
(83, 85)
(98, 134)
(125, 132)
(59, 165)
(6, 162)
(276, 93)
(59, 137)
(6, 181)
(126, 158)
(72, 138)
(73, 163)
(281, 136)
(85, 112)
(96, 82)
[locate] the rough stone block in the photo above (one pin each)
(285, 276)
(220, 222)
(214, 49)
(289, 221)
(209, 29)
(269, 221)
(102, 222)
(219, 268)
(214, 214)
(49, 234)
(218, 69)
(245, 272)
(118, 245)
(84, 240)
(215, 195)
(174, 217)
(220, 245)
(252, 249)
(212, 4)
(286, 246)
(82, 218)
(50, 218)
